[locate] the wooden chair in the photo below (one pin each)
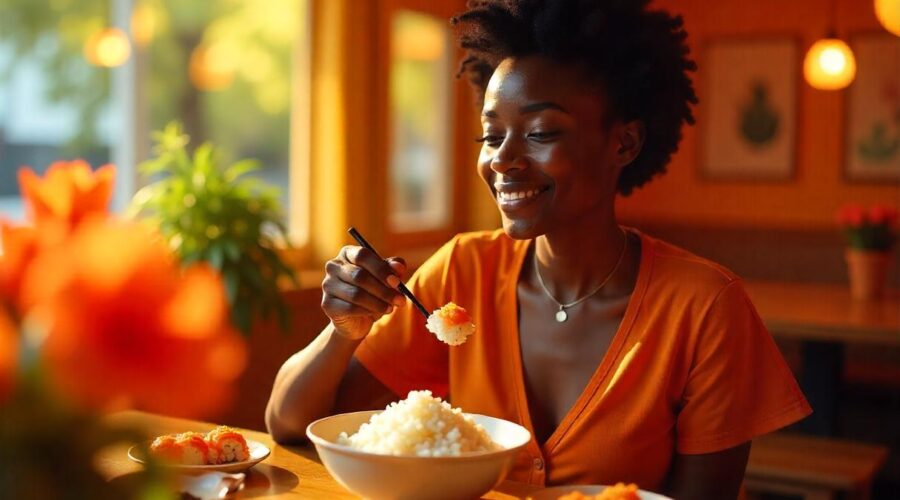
(813, 467)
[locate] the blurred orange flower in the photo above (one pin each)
(68, 192)
(9, 353)
(125, 328)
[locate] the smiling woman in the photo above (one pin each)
(629, 359)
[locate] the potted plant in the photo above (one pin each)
(871, 234)
(209, 212)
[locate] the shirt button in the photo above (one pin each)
(538, 464)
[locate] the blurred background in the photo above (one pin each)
(352, 109)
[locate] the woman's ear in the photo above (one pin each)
(630, 136)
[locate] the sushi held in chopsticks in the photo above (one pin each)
(451, 324)
(220, 445)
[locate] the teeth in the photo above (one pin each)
(518, 195)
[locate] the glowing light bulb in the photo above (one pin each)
(888, 14)
(829, 64)
(832, 61)
(107, 48)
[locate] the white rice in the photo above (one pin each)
(420, 425)
(449, 334)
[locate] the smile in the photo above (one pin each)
(510, 200)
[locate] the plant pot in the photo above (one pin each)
(867, 270)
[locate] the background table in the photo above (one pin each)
(824, 318)
(289, 472)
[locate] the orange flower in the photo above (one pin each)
(9, 351)
(126, 328)
(18, 246)
(68, 192)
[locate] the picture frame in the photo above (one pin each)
(749, 98)
(872, 123)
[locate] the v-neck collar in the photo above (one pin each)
(514, 346)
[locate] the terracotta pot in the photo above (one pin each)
(867, 270)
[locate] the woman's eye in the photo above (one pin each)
(491, 140)
(543, 136)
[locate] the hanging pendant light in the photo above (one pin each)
(888, 14)
(829, 63)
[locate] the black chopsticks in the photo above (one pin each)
(401, 287)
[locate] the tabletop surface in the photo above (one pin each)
(289, 472)
(825, 312)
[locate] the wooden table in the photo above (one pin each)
(825, 319)
(289, 472)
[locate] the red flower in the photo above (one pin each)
(127, 329)
(883, 214)
(851, 215)
(68, 192)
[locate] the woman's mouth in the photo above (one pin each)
(511, 200)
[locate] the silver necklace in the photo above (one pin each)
(561, 315)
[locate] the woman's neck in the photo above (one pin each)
(576, 258)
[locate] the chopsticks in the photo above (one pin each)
(401, 287)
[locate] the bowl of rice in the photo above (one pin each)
(419, 448)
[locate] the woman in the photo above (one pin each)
(628, 358)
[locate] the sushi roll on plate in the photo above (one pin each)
(229, 444)
(222, 449)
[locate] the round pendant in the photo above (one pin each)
(561, 316)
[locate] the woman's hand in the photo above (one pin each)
(359, 288)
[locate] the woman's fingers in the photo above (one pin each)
(338, 308)
(376, 276)
(344, 284)
(398, 265)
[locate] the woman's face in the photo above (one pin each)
(547, 155)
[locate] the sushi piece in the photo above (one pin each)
(451, 324)
(620, 491)
(189, 448)
(229, 443)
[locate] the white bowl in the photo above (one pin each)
(391, 477)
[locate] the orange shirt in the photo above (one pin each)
(691, 368)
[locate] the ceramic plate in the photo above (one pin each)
(558, 491)
(258, 453)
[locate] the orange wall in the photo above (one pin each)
(817, 188)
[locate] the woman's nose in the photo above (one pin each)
(508, 156)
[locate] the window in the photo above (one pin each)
(421, 186)
(53, 104)
(234, 72)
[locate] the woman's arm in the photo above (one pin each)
(711, 476)
(321, 379)
(358, 289)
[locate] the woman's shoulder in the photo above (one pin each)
(680, 271)
(485, 250)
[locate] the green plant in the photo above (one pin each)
(873, 229)
(219, 215)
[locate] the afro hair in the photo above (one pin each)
(639, 57)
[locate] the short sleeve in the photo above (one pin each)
(399, 351)
(739, 385)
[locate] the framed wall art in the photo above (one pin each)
(872, 132)
(749, 100)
